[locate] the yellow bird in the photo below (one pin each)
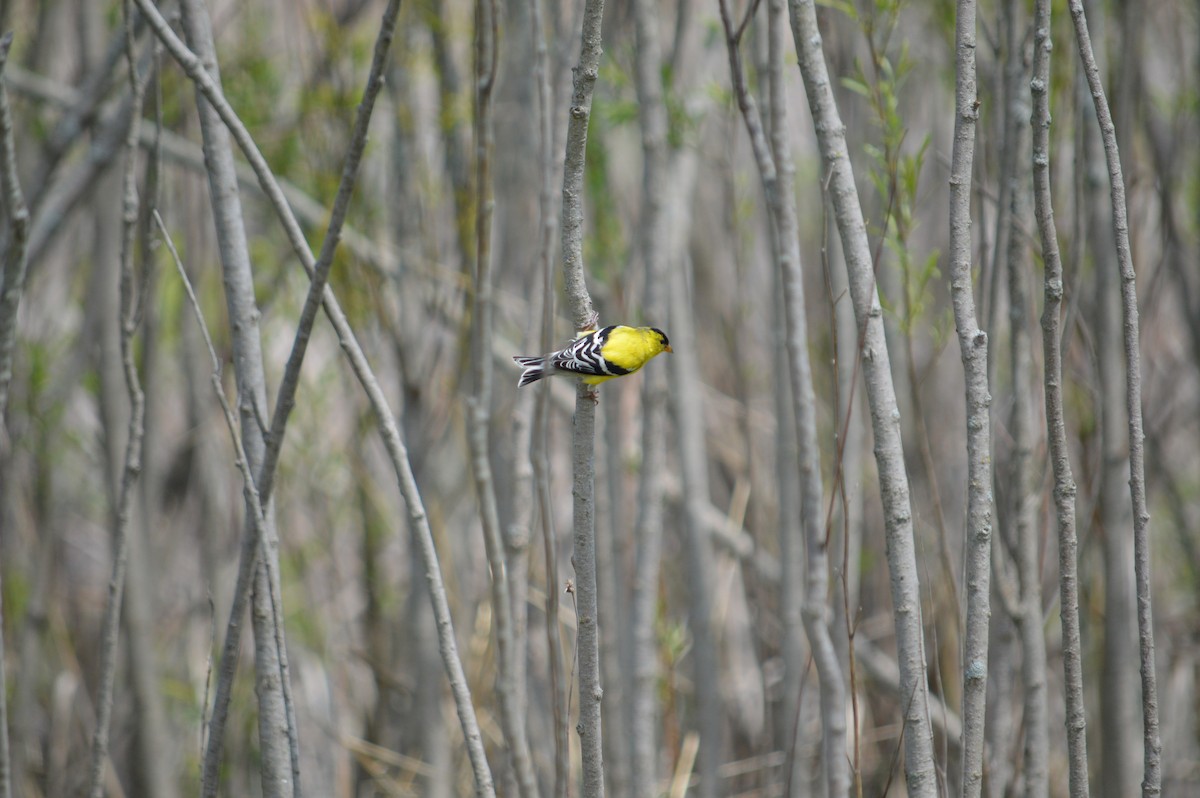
(598, 355)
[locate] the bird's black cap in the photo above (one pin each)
(665, 341)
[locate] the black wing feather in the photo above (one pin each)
(584, 356)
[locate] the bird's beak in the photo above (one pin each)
(668, 348)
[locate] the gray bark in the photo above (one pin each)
(423, 727)
(649, 532)
(132, 461)
(847, 539)
(1119, 710)
(973, 345)
(776, 172)
(516, 222)
(512, 714)
(619, 587)
(815, 610)
(1025, 499)
(155, 760)
(392, 439)
(846, 543)
(11, 283)
(1064, 481)
(1151, 741)
(701, 572)
(547, 227)
(277, 761)
(12, 280)
(1015, 478)
(584, 447)
(920, 769)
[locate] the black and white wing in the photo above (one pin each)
(584, 356)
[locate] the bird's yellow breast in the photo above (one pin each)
(631, 347)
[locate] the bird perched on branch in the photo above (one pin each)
(598, 355)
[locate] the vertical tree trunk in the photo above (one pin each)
(1025, 499)
(973, 346)
(1119, 709)
(620, 596)
(698, 543)
(649, 533)
(423, 728)
(847, 519)
(1151, 741)
(130, 464)
(277, 762)
(12, 281)
(919, 766)
(584, 447)
(512, 712)
(1064, 481)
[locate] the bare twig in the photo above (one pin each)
(512, 714)
(539, 444)
(1152, 744)
(920, 769)
(1024, 604)
(253, 498)
(1064, 482)
(56, 199)
(776, 171)
(584, 316)
(285, 398)
(390, 432)
(973, 344)
(11, 282)
(643, 704)
(277, 733)
(133, 447)
(83, 110)
(249, 490)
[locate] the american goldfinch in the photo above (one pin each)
(598, 355)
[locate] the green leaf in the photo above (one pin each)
(857, 86)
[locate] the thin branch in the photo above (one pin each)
(82, 112)
(12, 282)
(920, 769)
(583, 451)
(973, 344)
(133, 447)
(1151, 742)
(277, 733)
(643, 680)
(1064, 482)
(1024, 604)
(512, 715)
(816, 610)
(776, 173)
(249, 491)
(285, 398)
(52, 206)
(539, 445)
(389, 430)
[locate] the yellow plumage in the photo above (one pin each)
(630, 348)
(598, 355)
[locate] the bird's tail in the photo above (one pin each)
(535, 369)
